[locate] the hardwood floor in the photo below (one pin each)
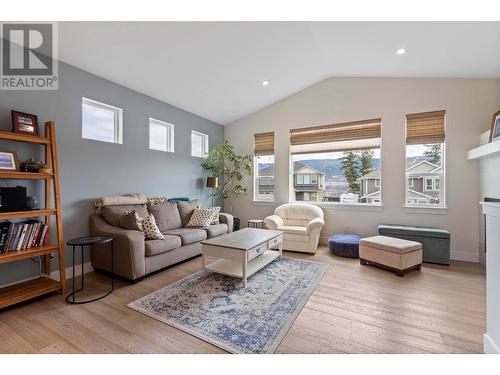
(355, 309)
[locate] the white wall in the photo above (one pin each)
(469, 105)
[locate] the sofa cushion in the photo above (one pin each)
(111, 214)
(166, 215)
(186, 209)
(155, 247)
(215, 230)
(188, 235)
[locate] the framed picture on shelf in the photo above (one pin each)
(8, 161)
(24, 123)
(495, 127)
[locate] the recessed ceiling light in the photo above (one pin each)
(265, 83)
(400, 51)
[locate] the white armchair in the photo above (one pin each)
(302, 224)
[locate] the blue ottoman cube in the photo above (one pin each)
(345, 245)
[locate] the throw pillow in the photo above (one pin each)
(202, 217)
(131, 220)
(215, 220)
(151, 231)
(186, 209)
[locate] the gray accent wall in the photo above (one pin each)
(90, 168)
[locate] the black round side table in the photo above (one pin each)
(87, 241)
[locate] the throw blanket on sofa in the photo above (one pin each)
(119, 200)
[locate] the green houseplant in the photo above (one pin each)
(230, 167)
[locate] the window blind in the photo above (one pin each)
(425, 128)
(264, 144)
(356, 135)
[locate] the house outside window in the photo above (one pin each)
(337, 163)
(101, 122)
(425, 159)
(264, 167)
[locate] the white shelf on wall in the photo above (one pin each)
(484, 151)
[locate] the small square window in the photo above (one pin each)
(161, 135)
(101, 122)
(199, 144)
(428, 184)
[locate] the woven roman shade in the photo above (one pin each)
(425, 128)
(356, 135)
(264, 144)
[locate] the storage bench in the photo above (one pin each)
(435, 242)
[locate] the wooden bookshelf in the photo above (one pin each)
(25, 175)
(26, 290)
(11, 256)
(9, 136)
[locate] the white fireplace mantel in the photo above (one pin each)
(484, 151)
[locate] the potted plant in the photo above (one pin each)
(230, 168)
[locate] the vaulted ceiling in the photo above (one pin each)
(216, 69)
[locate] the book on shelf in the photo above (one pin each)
(22, 235)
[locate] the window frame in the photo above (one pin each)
(204, 143)
(170, 141)
(118, 120)
(412, 182)
(377, 182)
(426, 183)
(256, 179)
(442, 188)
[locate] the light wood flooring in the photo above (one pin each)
(355, 309)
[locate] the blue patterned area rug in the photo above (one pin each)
(218, 309)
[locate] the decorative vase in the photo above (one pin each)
(31, 203)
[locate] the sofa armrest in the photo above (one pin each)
(273, 222)
(227, 219)
(128, 245)
(316, 223)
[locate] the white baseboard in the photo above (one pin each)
(464, 256)
(489, 345)
(87, 267)
(323, 240)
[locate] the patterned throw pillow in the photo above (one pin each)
(202, 217)
(151, 231)
(215, 220)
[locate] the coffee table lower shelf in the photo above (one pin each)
(235, 268)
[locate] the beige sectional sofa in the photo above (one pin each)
(136, 257)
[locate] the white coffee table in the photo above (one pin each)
(242, 253)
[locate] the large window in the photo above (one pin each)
(161, 135)
(425, 144)
(199, 144)
(264, 167)
(101, 122)
(337, 163)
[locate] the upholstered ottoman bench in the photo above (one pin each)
(435, 242)
(391, 253)
(344, 245)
